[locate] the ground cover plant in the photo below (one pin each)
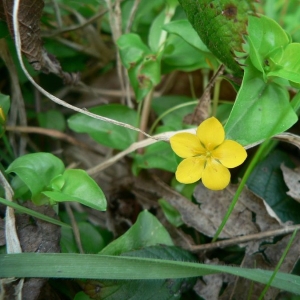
(149, 149)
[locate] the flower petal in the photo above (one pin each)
(190, 170)
(186, 145)
(231, 154)
(211, 133)
(215, 176)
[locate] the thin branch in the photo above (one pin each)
(17, 102)
(74, 227)
(132, 15)
(76, 27)
(12, 240)
(47, 94)
(244, 239)
(52, 133)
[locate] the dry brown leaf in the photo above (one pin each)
(266, 261)
(40, 237)
(243, 288)
(292, 180)
(265, 217)
(289, 138)
(209, 286)
(30, 12)
(201, 111)
(214, 205)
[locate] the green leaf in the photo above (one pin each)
(106, 133)
(171, 213)
(3, 29)
(179, 55)
(286, 64)
(132, 49)
(33, 213)
(77, 185)
(266, 181)
(173, 119)
(145, 75)
(221, 26)
(36, 171)
(4, 108)
(91, 239)
(166, 289)
(94, 266)
(296, 102)
(185, 30)
(147, 231)
(265, 35)
(53, 119)
(82, 296)
(261, 109)
(156, 156)
(155, 32)
(5, 103)
(137, 289)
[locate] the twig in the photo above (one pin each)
(74, 227)
(145, 113)
(52, 133)
(47, 94)
(11, 236)
(76, 27)
(18, 107)
(142, 144)
(135, 146)
(115, 20)
(244, 239)
(57, 13)
(205, 98)
(132, 15)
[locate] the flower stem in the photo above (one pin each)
(259, 153)
(174, 108)
(145, 113)
(279, 264)
(216, 96)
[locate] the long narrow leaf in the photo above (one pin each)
(118, 267)
(33, 213)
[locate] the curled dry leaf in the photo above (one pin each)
(214, 205)
(266, 258)
(289, 138)
(210, 286)
(30, 12)
(292, 180)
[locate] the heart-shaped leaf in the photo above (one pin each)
(37, 170)
(77, 185)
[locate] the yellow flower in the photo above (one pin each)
(207, 155)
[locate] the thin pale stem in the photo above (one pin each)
(216, 96)
(242, 184)
(145, 113)
(279, 264)
(74, 227)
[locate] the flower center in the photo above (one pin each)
(208, 154)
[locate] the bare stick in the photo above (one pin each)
(132, 15)
(47, 94)
(244, 239)
(74, 227)
(12, 240)
(52, 133)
